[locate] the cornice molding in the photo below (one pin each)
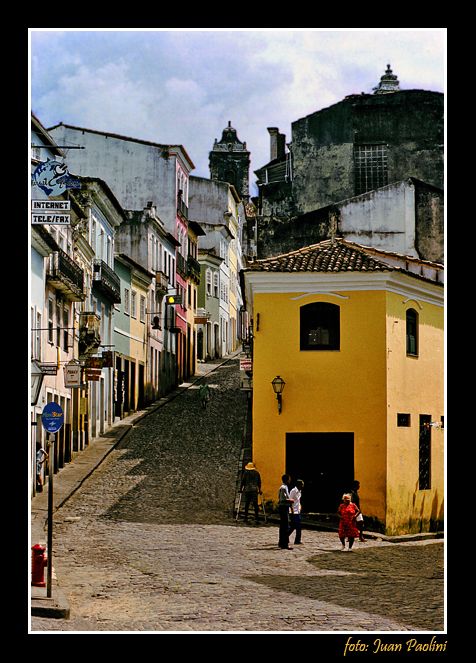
(333, 284)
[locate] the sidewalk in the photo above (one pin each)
(67, 481)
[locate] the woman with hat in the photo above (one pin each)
(251, 487)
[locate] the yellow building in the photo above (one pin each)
(357, 336)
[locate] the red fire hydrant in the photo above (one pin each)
(38, 563)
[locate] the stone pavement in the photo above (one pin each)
(131, 559)
(71, 477)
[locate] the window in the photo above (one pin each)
(424, 455)
(320, 327)
(65, 328)
(215, 284)
(370, 167)
(142, 308)
(58, 323)
(51, 315)
(133, 304)
(209, 282)
(412, 332)
(36, 336)
(126, 301)
(403, 419)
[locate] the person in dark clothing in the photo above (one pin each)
(251, 488)
(284, 502)
(356, 500)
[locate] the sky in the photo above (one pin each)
(183, 85)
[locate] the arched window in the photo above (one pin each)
(320, 327)
(412, 332)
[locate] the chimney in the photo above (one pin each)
(277, 144)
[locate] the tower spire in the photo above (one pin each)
(388, 83)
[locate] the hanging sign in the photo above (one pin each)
(72, 374)
(53, 178)
(52, 417)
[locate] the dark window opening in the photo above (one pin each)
(370, 167)
(403, 419)
(320, 327)
(412, 332)
(424, 455)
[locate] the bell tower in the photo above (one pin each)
(230, 162)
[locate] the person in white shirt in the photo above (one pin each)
(295, 494)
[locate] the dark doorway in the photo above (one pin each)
(325, 462)
(141, 396)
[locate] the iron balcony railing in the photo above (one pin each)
(106, 280)
(181, 265)
(182, 208)
(161, 283)
(193, 268)
(65, 275)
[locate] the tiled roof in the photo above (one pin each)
(328, 256)
(339, 255)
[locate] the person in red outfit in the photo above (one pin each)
(347, 513)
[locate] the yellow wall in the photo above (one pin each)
(415, 386)
(326, 391)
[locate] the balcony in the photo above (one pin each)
(89, 333)
(66, 276)
(193, 269)
(182, 208)
(106, 281)
(181, 265)
(161, 283)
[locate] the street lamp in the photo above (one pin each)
(36, 381)
(278, 386)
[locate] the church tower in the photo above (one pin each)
(230, 162)
(388, 83)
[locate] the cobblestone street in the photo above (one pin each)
(148, 543)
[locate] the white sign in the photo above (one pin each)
(52, 205)
(246, 364)
(51, 219)
(72, 375)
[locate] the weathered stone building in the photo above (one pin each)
(360, 144)
(405, 217)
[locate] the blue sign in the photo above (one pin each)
(52, 417)
(53, 178)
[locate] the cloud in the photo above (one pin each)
(183, 86)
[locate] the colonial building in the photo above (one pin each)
(195, 231)
(405, 217)
(351, 339)
(144, 238)
(218, 209)
(360, 144)
(103, 216)
(140, 173)
(131, 336)
(57, 285)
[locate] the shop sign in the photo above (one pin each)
(72, 374)
(52, 417)
(53, 178)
